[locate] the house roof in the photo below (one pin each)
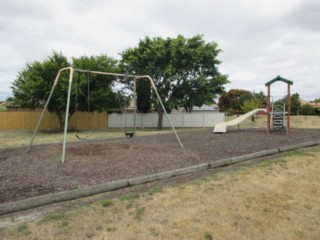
(279, 78)
(204, 107)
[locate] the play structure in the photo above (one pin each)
(71, 73)
(278, 114)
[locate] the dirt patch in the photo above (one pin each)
(24, 175)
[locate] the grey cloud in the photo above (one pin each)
(306, 16)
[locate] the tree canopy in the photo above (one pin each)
(33, 85)
(103, 95)
(238, 101)
(233, 100)
(295, 103)
(185, 71)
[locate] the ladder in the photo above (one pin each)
(278, 116)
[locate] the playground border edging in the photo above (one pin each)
(34, 202)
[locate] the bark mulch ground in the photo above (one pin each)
(24, 175)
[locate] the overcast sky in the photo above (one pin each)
(260, 39)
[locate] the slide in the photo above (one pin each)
(222, 127)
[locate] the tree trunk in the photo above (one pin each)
(160, 118)
(61, 121)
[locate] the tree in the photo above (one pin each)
(261, 97)
(295, 103)
(233, 100)
(103, 93)
(184, 70)
(251, 104)
(144, 95)
(33, 85)
(307, 109)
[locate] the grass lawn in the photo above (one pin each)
(18, 138)
(296, 122)
(277, 199)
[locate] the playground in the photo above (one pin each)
(94, 163)
(40, 171)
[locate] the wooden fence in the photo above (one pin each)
(29, 119)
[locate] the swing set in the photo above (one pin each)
(128, 133)
(71, 70)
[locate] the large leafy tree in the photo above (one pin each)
(33, 85)
(102, 92)
(233, 100)
(295, 103)
(185, 71)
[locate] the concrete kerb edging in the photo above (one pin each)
(30, 203)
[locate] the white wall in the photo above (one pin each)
(179, 120)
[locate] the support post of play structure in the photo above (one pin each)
(289, 109)
(269, 112)
(268, 109)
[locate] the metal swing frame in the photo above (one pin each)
(71, 73)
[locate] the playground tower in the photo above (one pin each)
(279, 114)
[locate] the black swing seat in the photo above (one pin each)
(82, 138)
(129, 134)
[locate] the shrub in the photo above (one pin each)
(3, 109)
(307, 110)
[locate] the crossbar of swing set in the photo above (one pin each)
(71, 69)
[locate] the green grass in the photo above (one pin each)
(154, 191)
(23, 229)
(208, 236)
(19, 138)
(300, 153)
(130, 197)
(106, 203)
(139, 212)
(59, 216)
(270, 163)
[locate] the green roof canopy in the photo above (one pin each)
(279, 78)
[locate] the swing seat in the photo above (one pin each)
(82, 138)
(129, 134)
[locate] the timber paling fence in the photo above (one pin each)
(28, 120)
(83, 120)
